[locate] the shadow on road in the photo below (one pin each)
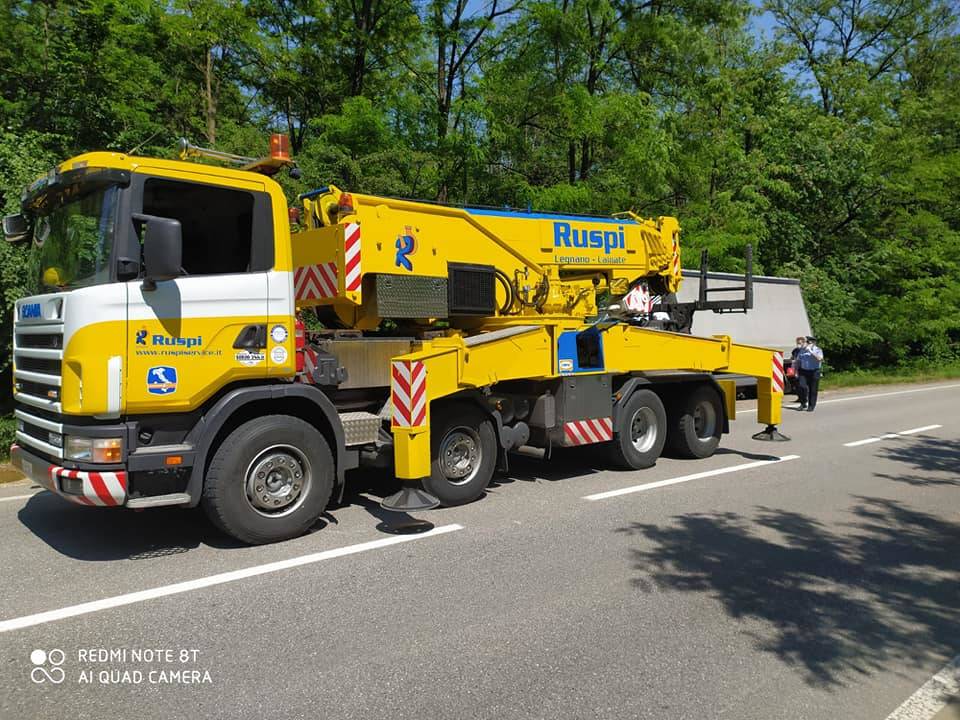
(746, 455)
(836, 603)
(100, 534)
(939, 459)
(564, 464)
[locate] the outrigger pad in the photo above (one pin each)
(771, 434)
(409, 498)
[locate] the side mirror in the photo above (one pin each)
(162, 249)
(16, 227)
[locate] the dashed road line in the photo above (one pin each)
(687, 478)
(932, 696)
(889, 436)
(211, 580)
(919, 429)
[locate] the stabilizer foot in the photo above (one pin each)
(771, 434)
(408, 499)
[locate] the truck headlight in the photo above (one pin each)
(97, 450)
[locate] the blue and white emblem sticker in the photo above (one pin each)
(278, 333)
(161, 380)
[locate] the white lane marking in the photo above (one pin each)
(888, 436)
(874, 395)
(919, 429)
(870, 440)
(211, 580)
(932, 696)
(18, 497)
(686, 478)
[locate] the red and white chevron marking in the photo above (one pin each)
(105, 489)
(777, 375)
(676, 255)
(315, 282)
(309, 364)
(409, 393)
(638, 300)
(351, 256)
(585, 432)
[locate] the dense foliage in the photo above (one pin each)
(824, 132)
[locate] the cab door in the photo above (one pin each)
(191, 336)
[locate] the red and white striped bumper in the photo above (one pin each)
(103, 489)
(586, 432)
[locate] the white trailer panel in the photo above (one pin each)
(778, 316)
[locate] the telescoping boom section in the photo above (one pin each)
(544, 326)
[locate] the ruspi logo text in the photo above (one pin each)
(566, 236)
(168, 341)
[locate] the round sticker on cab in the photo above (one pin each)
(279, 355)
(278, 333)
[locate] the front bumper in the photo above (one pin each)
(107, 488)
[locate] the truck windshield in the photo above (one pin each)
(73, 240)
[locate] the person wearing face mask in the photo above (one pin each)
(793, 371)
(809, 359)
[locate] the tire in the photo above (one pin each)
(464, 450)
(696, 422)
(640, 432)
(277, 451)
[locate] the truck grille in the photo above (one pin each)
(40, 365)
(50, 341)
(38, 359)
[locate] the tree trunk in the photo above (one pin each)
(363, 22)
(585, 158)
(210, 98)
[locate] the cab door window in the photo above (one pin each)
(218, 225)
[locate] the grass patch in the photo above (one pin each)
(8, 434)
(9, 474)
(890, 376)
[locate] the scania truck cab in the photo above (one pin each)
(161, 283)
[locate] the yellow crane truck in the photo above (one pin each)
(166, 362)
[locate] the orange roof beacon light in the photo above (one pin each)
(345, 204)
(280, 147)
(278, 158)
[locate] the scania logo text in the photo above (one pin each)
(30, 310)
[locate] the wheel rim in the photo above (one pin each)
(705, 420)
(277, 481)
(643, 429)
(460, 455)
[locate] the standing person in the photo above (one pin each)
(795, 367)
(810, 358)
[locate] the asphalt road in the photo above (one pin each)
(825, 586)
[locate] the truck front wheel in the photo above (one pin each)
(464, 453)
(269, 480)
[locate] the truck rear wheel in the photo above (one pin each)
(464, 451)
(269, 480)
(641, 431)
(696, 423)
